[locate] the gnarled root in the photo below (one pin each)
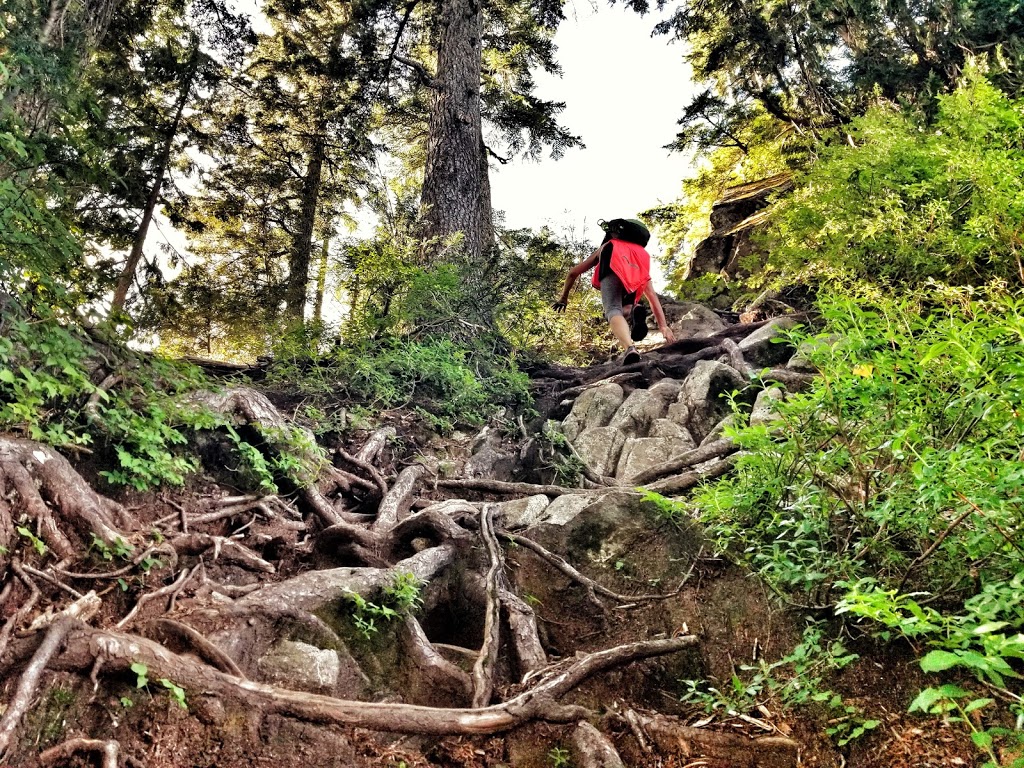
(52, 492)
(119, 651)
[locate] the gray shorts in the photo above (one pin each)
(614, 295)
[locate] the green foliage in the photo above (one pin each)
(797, 680)
(37, 543)
(913, 199)
(900, 463)
(559, 758)
(445, 381)
(400, 598)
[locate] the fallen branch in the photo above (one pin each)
(565, 567)
(504, 488)
(688, 480)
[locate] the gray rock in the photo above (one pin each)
(642, 453)
(679, 412)
(594, 749)
(761, 348)
(594, 408)
(640, 409)
(524, 512)
(703, 395)
(671, 429)
(764, 406)
(599, 447)
(717, 431)
(696, 321)
(492, 464)
(666, 389)
(565, 508)
(301, 667)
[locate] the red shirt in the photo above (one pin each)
(631, 263)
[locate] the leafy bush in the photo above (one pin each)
(901, 463)
(901, 198)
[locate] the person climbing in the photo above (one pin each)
(623, 272)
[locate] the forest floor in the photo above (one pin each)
(639, 706)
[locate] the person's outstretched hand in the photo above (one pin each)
(558, 306)
(667, 333)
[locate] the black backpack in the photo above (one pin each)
(630, 230)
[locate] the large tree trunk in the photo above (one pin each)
(127, 276)
(456, 193)
(297, 289)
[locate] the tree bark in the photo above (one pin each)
(456, 192)
(127, 276)
(297, 287)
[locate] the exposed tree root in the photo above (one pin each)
(45, 482)
(23, 611)
(672, 737)
(483, 669)
(592, 586)
(539, 702)
(436, 670)
(108, 749)
(171, 633)
(29, 682)
(396, 504)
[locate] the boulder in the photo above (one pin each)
(764, 406)
(671, 429)
(695, 321)
(717, 432)
(565, 509)
(524, 512)
(636, 414)
(642, 453)
(666, 389)
(703, 395)
(301, 667)
(801, 359)
(594, 408)
(599, 447)
(764, 348)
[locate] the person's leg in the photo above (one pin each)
(611, 300)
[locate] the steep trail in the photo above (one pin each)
(535, 613)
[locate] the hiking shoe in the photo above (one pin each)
(638, 322)
(632, 356)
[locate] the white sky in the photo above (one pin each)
(624, 92)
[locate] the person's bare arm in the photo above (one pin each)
(659, 313)
(587, 264)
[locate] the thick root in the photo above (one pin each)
(52, 492)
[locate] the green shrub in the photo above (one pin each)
(901, 463)
(899, 198)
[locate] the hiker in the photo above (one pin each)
(623, 272)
